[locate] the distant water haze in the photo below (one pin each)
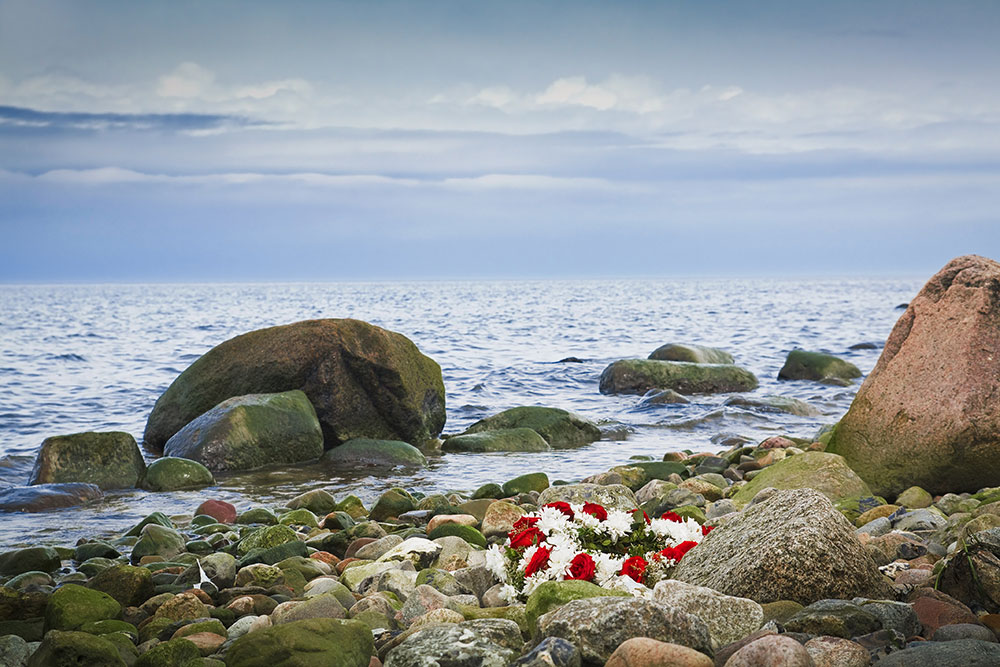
(96, 357)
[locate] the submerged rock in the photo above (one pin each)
(251, 431)
(817, 366)
(171, 474)
(42, 497)
(109, 460)
(363, 451)
(364, 381)
(925, 415)
(792, 406)
(638, 376)
(559, 428)
(699, 354)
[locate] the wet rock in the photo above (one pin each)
(42, 559)
(835, 618)
(898, 431)
(316, 641)
(171, 474)
(43, 497)
(837, 652)
(598, 626)
(638, 376)
(364, 381)
(728, 618)
(645, 652)
(935, 609)
(251, 431)
(559, 428)
(490, 642)
(392, 503)
(662, 397)
(769, 651)
(364, 451)
(613, 495)
(959, 653)
(110, 460)
(499, 440)
(698, 354)
(72, 605)
(793, 546)
(75, 648)
(156, 540)
(130, 586)
(816, 366)
(551, 652)
(786, 404)
(826, 473)
(533, 481)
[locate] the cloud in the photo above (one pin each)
(184, 122)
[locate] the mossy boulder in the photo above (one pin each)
(698, 354)
(638, 376)
(817, 366)
(552, 594)
(251, 431)
(786, 404)
(265, 538)
(110, 460)
(467, 533)
(71, 606)
(155, 540)
(532, 481)
(159, 518)
(915, 498)
(500, 440)
(129, 585)
(364, 381)
(365, 451)
(317, 501)
(560, 428)
(826, 473)
(260, 515)
(19, 561)
(66, 649)
(314, 641)
(172, 474)
(174, 653)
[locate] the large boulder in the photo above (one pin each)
(172, 473)
(927, 414)
(364, 381)
(314, 641)
(501, 440)
(792, 546)
(109, 460)
(637, 376)
(366, 452)
(698, 354)
(42, 497)
(252, 431)
(817, 366)
(487, 642)
(826, 473)
(558, 427)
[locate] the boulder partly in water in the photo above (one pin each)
(699, 354)
(252, 431)
(927, 414)
(42, 497)
(110, 460)
(560, 428)
(817, 366)
(637, 376)
(363, 381)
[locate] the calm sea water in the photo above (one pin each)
(79, 358)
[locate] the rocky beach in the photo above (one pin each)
(872, 540)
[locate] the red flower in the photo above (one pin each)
(562, 507)
(705, 530)
(522, 523)
(595, 510)
(683, 548)
(634, 567)
(665, 554)
(672, 516)
(581, 567)
(539, 561)
(526, 538)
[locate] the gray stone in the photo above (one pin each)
(835, 618)
(920, 521)
(613, 495)
(551, 652)
(376, 549)
(897, 616)
(44, 497)
(728, 618)
(110, 460)
(876, 527)
(488, 642)
(14, 651)
(958, 653)
(956, 631)
(770, 651)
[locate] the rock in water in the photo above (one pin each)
(501, 440)
(247, 432)
(802, 365)
(698, 354)
(43, 497)
(559, 428)
(637, 376)
(927, 414)
(363, 381)
(109, 460)
(361, 451)
(792, 546)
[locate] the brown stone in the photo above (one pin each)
(442, 519)
(927, 414)
(769, 651)
(837, 652)
(207, 642)
(875, 513)
(935, 609)
(776, 442)
(646, 652)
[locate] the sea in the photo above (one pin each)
(79, 358)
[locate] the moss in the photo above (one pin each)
(698, 354)
(265, 538)
(110, 460)
(559, 428)
(552, 594)
(824, 472)
(533, 481)
(315, 641)
(365, 451)
(500, 440)
(70, 606)
(467, 533)
(60, 649)
(803, 365)
(637, 376)
(171, 474)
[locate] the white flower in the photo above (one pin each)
(617, 525)
(676, 532)
(496, 563)
(553, 521)
(508, 593)
(608, 566)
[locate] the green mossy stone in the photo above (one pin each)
(299, 517)
(915, 498)
(199, 547)
(552, 594)
(70, 606)
(130, 586)
(173, 653)
(26, 579)
(260, 515)
(317, 501)
(28, 629)
(392, 503)
(212, 528)
(637, 376)
(436, 504)
(158, 541)
(827, 473)
(559, 428)
(110, 460)
(491, 490)
(786, 404)
(272, 555)
(500, 440)
(172, 474)
(66, 649)
(690, 512)
(477, 508)
(315, 641)
(265, 538)
(467, 533)
(204, 520)
(632, 476)
(353, 506)
(375, 620)
(816, 366)
(90, 550)
(661, 469)
(214, 626)
(364, 451)
(127, 650)
(697, 354)
(110, 626)
(42, 559)
(159, 518)
(152, 628)
(514, 612)
(307, 567)
(534, 481)
(94, 566)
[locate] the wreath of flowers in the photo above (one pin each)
(615, 549)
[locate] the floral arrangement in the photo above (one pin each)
(615, 549)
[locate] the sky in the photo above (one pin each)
(378, 140)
